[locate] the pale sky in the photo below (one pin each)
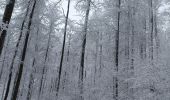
(73, 13)
(164, 7)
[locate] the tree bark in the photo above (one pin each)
(34, 62)
(63, 48)
(151, 47)
(156, 34)
(45, 61)
(6, 20)
(117, 51)
(19, 73)
(101, 54)
(96, 58)
(81, 70)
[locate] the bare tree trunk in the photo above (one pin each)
(81, 71)
(96, 58)
(145, 40)
(151, 46)
(127, 46)
(31, 80)
(156, 34)
(4, 58)
(63, 48)
(101, 54)
(19, 73)
(132, 40)
(132, 48)
(116, 95)
(6, 20)
(142, 47)
(3, 92)
(43, 78)
(69, 44)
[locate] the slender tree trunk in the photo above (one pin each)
(31, 80)
(127, 46)
(19, 73)
(132, 40)
(43, 78)
(96, 58)
(69, 44)
(101, 54)
(3, 92)
(143, 44)
(145, 40)
(156, 34)
(151, 47)
(132, 48)
(81, 71)
(4, 58)
(63, 48)
(117, 51)
(127, 52)
(6, 20)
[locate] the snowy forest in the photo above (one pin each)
(84, 49)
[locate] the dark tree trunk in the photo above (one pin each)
(117, 50)
(19, 73)
(4, 59)
(132, 40)
(6, 20)
(63, 48)
(81, 71)
(31, 82)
